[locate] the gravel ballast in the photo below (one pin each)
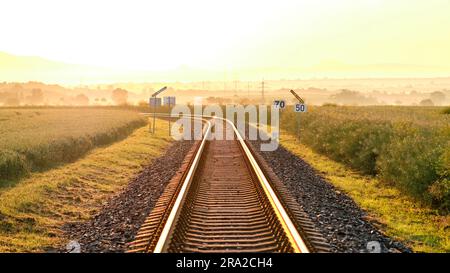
(344, 225)
(120, 218)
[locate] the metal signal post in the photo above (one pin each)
(170, 102)
(299, 108)
(154, 100)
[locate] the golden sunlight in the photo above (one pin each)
(241, 39)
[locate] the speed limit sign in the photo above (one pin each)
(300, 108)
(280, 104)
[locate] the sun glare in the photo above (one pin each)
(226, 36)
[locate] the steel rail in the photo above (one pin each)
(291, 232)
(169, 225)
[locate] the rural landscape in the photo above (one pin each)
(89, 161)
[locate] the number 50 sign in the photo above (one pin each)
(300, 108)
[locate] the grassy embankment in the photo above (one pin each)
(33, 208)
(389, 160)
(407, 147)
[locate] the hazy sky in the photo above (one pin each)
(228, 34)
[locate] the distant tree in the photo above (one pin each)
(218, 100)
(81, 99)
(244, 101)
(12, 101)
(37, 96)
(119, 96)
(143, 103)
(349, 97)
(17, 87)
(3, 96)
(438, 97)
(426, 102)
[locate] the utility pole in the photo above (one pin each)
(248, 90)
(262, 92)
(224, 81)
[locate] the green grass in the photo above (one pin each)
(406, 147)
(396, 214)
(35, 139)
(446, 111)
(33, 210)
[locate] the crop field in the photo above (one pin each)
(34, 211)
(406, 147)
(33, 139)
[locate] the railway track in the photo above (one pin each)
(223, 201)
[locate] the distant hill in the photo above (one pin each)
(10, 62)
(28, 68)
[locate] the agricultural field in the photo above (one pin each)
(405, 147)
(35, 139)
(34, 210)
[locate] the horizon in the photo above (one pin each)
(72, 74)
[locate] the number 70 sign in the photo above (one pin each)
(280, 104)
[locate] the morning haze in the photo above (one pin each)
(198, 47)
